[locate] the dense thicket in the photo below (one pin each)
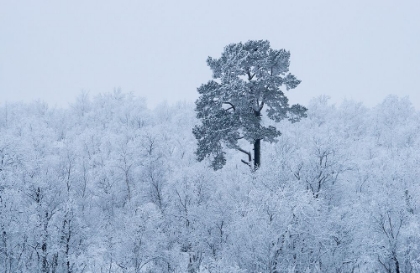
(110, 186)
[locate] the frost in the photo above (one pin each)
(111, 186)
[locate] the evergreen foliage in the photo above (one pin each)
(247, 78)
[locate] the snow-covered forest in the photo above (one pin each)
(109, 185)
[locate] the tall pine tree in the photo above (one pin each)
(246, 79)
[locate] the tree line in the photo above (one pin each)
(109, 185)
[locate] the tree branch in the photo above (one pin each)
(249, 74)
(261, 106)
(246, 163)
(231, 105)
(245, 152)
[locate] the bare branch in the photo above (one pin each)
(246, 163)
(250, 77)
(229, 103)
(249, 157)
(245, 152)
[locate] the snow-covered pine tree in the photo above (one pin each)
(246, 79)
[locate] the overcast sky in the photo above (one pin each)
(52, 50)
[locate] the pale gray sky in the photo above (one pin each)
(52, 50)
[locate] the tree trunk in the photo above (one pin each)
(397, 265)
(257, 154)
(194, 262)
(44, 246)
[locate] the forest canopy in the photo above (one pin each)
(109, 185)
